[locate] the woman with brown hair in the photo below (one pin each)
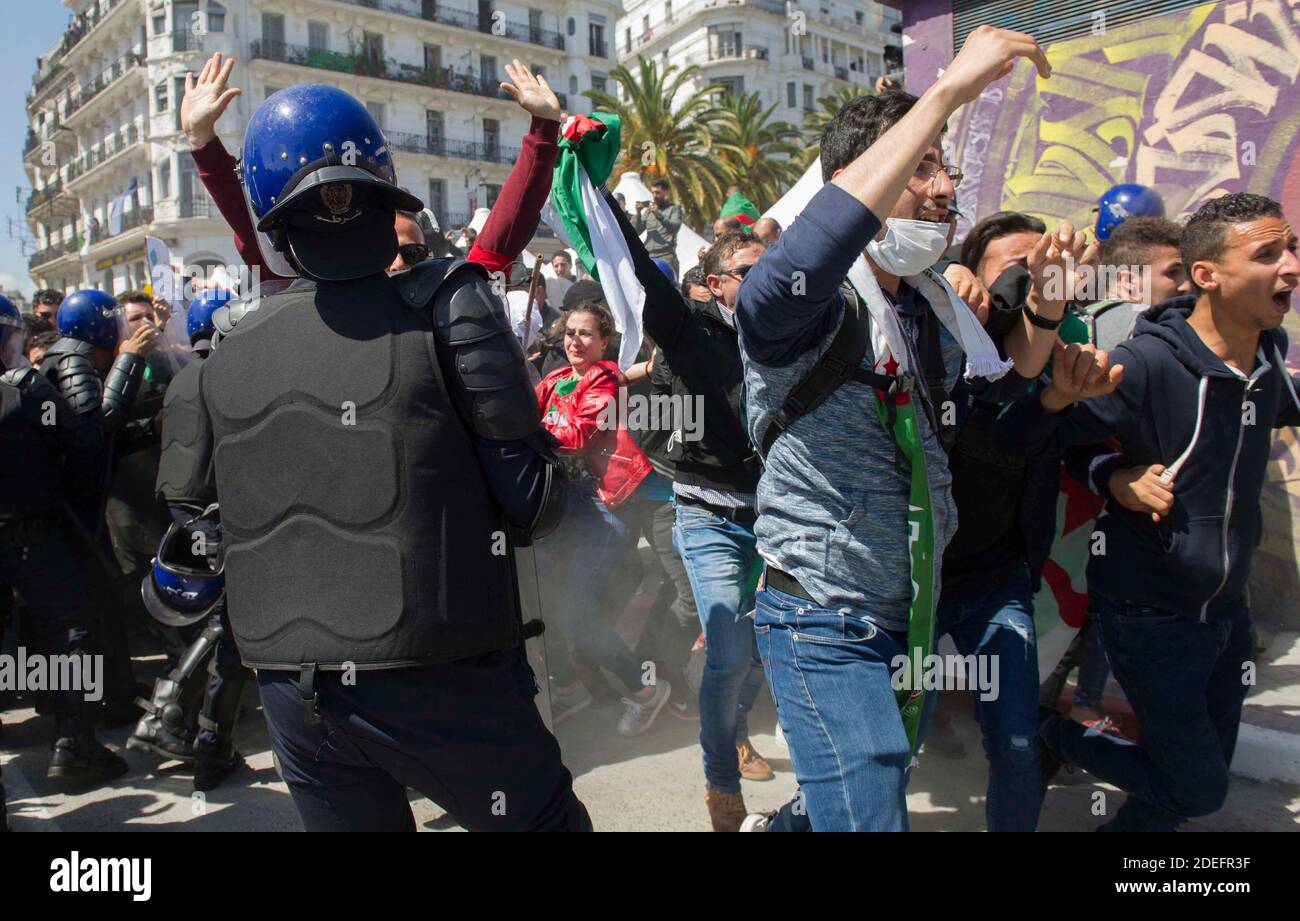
(578, 403)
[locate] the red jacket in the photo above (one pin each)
(509, 226)
(614, 459)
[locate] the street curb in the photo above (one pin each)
(1267, 754)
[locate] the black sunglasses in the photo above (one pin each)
(740, 271)
(413, 253)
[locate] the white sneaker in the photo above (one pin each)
(757, 821)
(640, 715)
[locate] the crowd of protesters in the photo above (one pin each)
(883, 420)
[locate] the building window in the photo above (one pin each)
(534, 25)
(627, 39)
(372, 49)
(573, 85)
(492, 144)
(434, 130)
(165, 178)
(318, 36)
(492, 192)
(596, 37)
(273, 29)
(487, 71)
(432, 57)
(160, 97)
(668, 11)
(791, 95)
(599, 82)
(216, 17)
(437, 201)
(573, 25)
(160, 22)
(731, 86)
(725, 42)
(376, 110)
(807, 97)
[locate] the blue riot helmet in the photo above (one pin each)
(13, 334)
(186, 579)
(1123, 202)
(319, 179)
(666, 267)
(91, 316)
(198, 318)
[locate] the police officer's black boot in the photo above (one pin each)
(78, 757)
(215, 754)
(163, 730)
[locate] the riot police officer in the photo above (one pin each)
(99, 372)
(39, 432)
(376, 449)
(167, 728)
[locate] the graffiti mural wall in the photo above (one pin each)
(1195, 104)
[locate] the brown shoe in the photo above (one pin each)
(726, 810)
(752, 765)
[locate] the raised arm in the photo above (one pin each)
(206, 98)
(513, 218)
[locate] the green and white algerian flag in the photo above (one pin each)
(580, 215)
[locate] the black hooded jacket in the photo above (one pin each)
(1179, 405)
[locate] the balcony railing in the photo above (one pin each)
(104, 80)
(50, 253)
(112, 145)
(72, 36)
(738, 54)
(809, 64)
(186, 41)
(137, 217)
(41, 196)
(447, 147)
(432, 12)
(197, 207)
(369, 66)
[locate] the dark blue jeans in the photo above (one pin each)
(829, 671)
(718, 554)
(1184, 681)
(1093, 670)
(1001, 626)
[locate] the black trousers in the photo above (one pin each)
(50, 574)
(465, 734)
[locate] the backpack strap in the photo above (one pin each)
(838, 364)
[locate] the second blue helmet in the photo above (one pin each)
(198, 318)
(1123, 202)
(91, 316)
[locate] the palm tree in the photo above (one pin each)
(816, 120)
(762, 156)
(663, 140)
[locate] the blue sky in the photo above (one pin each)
(30, 27)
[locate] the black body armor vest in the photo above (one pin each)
(359, 528)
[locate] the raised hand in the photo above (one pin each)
(1056, 265)
(970, 289)
(141, 342)
(989, 55)
(1143, 489)
(533, 94)
(206, 99)
(1079, 372)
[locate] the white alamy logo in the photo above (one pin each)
(103, 874)
(29, 673)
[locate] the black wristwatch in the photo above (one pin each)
(1042, 322)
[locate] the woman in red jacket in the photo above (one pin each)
(578, 403)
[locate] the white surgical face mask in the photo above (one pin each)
(909, 246)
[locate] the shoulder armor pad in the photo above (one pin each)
(465, 309)
(22, 378)
(417, 286)
(226, 318)
(69, 346)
